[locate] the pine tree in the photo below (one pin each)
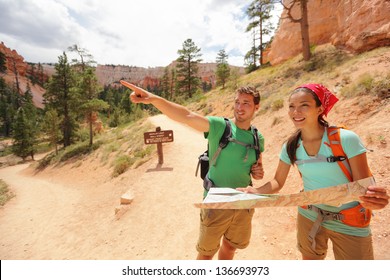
(51, 126)
(172, 83)
(31, 125)
(86, 59)
(62, 97)
(33, 73)
(3, 66)
(259, 12)
(9, 103)
(28, 104)
(88, 88)
(125, 104)
(223, 69)
(23, 135)
(165, 79)
(187, 68)
(234, 76)
(41, 75)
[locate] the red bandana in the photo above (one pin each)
(327, 98)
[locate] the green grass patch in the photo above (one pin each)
(366, 84)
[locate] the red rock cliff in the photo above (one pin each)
(14, 60)
(354, 25)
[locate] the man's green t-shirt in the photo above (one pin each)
(233, 165)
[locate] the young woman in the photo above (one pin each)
(307, 147)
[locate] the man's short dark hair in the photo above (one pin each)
(252, 91)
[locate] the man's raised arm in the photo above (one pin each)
(172, 110)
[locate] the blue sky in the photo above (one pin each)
(145, 33)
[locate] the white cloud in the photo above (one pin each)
(134, 32)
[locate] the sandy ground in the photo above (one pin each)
(68, 211)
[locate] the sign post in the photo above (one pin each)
(158, 137)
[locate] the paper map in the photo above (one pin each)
(227, 198)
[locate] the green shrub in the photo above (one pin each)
(276, 121)
(277, 104)
(121, 164)
(368, 85)
(79, 149)
(382, 87)
(292, 72)
(7, 151)
(44, 162)
(141, 153)
(82, 134)
(5, 193)
(365, 83)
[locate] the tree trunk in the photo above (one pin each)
(66, 129)
(189, 78)
(261, 42)
(90, 134)
(305, 31)
(254, 48)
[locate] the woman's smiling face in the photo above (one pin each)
(303, 109)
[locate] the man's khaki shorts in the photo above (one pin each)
(345, 247)
(234, 225)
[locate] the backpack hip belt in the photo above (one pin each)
(357, 216)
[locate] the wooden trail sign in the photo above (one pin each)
(158, 137)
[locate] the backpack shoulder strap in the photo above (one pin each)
(223, 141)
(338, 152)
(227, 137)
(227, 134)
(256, 141)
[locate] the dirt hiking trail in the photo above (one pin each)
(68, 211)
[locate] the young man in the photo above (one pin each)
(234, 167)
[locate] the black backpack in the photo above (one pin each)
(203, 159)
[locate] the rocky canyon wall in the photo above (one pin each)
(15, 64)
(353, 25)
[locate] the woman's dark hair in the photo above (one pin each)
(292, 141)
